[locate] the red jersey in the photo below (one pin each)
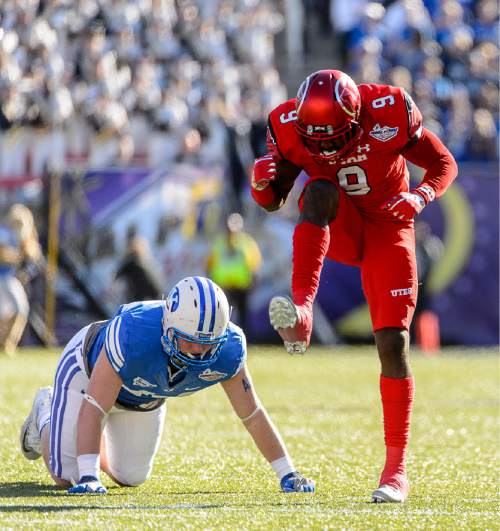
(375, 171)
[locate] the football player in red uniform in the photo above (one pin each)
(357, 208)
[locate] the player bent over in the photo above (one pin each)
(356, 208)
(107, 408)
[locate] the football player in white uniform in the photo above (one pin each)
(107, 408)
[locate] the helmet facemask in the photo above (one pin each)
(185, 360)
(325, 147)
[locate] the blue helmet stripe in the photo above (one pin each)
(202, 304)
(212, 298)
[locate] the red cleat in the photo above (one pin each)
(293, 323)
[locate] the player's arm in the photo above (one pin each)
(252, 413)
(100, 396)
(428, 152)
(9, 254)
(424, 149)
(272, 176)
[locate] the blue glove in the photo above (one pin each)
(88, 485)
(294, 482)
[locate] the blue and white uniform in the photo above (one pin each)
(132, 343)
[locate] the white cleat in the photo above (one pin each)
(31, 444)
(283, 314)
(388, 494)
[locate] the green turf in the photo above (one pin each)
(208, 475)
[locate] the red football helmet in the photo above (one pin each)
(328, 107)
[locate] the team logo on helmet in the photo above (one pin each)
(174, 299)
(347, 95)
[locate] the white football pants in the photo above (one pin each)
(132, 438)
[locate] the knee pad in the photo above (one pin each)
(132, 477)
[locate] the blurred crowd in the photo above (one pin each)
(115, 82)
(443, 52)
(110, 82)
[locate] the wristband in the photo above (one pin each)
(88, 465)
(426, 192)
(283, 466)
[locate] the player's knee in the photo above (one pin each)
(132, 477)
(320, 203)
(392, 342)
(392, 346)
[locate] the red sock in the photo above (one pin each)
(397, 402)
(310, 244)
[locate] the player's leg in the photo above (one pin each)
(131, 440)
(50, 428)
(21, 304)
(390, 286)
(311, 239)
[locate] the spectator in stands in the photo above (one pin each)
(483, 144)
(234, 259)
(93, 80)
(136, 277)
(19, 247)
(451, 60)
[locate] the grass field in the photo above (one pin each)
(208, 475)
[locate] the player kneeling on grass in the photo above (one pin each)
(114, 376)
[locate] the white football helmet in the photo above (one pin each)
(196, 310)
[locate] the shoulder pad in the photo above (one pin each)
(279, 125)
(389, 108)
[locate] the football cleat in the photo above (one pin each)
(294, 482)
(293, 324)
(388, 494)
(31, 444)
(88, 485)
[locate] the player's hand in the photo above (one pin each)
(405, 206)
(88, 485)
(294, 482)
(264, 172)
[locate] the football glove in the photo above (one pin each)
(264, 171)
(407, 205)
(294, 482)
(88, 485)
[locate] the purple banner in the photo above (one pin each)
(464, 283)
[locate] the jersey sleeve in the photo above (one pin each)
(392, 118)
(115, 343)
(430, 153)
(414, 118)
(243, 354)
(281, 135)
(272, 145)
(237, 353)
